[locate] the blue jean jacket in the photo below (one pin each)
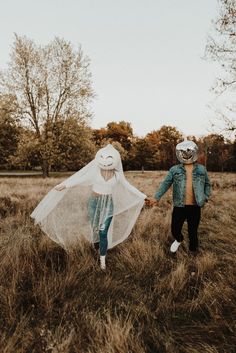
(177, 177)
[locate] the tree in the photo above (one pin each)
(51, 83)
(164, 142)
(221, 49)
(99, 136)
(121, 132)
(9, 128)
(143, 155)
(156, 150)
(217, 152)
(73, 145)
(27, 154)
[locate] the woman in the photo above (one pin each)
(96, 203)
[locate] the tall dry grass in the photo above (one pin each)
(147, 301)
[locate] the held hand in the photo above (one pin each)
(60, 187)
(151, 202)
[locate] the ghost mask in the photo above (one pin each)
(187, 152)
(107, 158)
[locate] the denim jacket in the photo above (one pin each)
(177, 177)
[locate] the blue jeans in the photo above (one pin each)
(100, 210)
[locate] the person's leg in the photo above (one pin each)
(93, 214)
(103, 236)
(193, 219)
(178, 218)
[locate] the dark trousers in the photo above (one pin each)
(191, 213)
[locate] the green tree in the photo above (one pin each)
(73, 145)
(27, 154)
(51, 83)
(9, 128)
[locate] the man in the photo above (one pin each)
(191, 189)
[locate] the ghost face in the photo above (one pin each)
(107, 158)
(187, 152)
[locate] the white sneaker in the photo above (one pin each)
(174, 246)
(103, 262)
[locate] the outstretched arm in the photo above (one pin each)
(165, 185)
(78, 178)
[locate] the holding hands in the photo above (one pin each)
(151, 202)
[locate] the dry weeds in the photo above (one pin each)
(147, 301)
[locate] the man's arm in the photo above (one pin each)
(165, 185)
(207, 187)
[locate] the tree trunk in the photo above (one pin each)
(45, 168)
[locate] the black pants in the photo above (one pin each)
(192, 214)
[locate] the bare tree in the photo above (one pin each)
(221, 48)
(51, 83)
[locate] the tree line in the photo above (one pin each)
(74, 144)
(45, 98)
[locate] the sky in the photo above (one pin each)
(146, 55)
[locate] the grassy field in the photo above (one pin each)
(147, 301)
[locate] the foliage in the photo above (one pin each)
(121, 132)
(217, 153)
(163, 142)
(73, 145)
(9, 128)
(27, 154)
(51, 83)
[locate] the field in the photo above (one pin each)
(147, 301)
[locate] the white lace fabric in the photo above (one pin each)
(65, 216)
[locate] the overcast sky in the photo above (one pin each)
(145, 55)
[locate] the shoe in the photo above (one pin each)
(174, 246)
(103, 262)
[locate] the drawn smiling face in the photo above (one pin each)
(107, 158)
(106, 162)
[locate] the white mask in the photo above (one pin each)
(107, 158)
